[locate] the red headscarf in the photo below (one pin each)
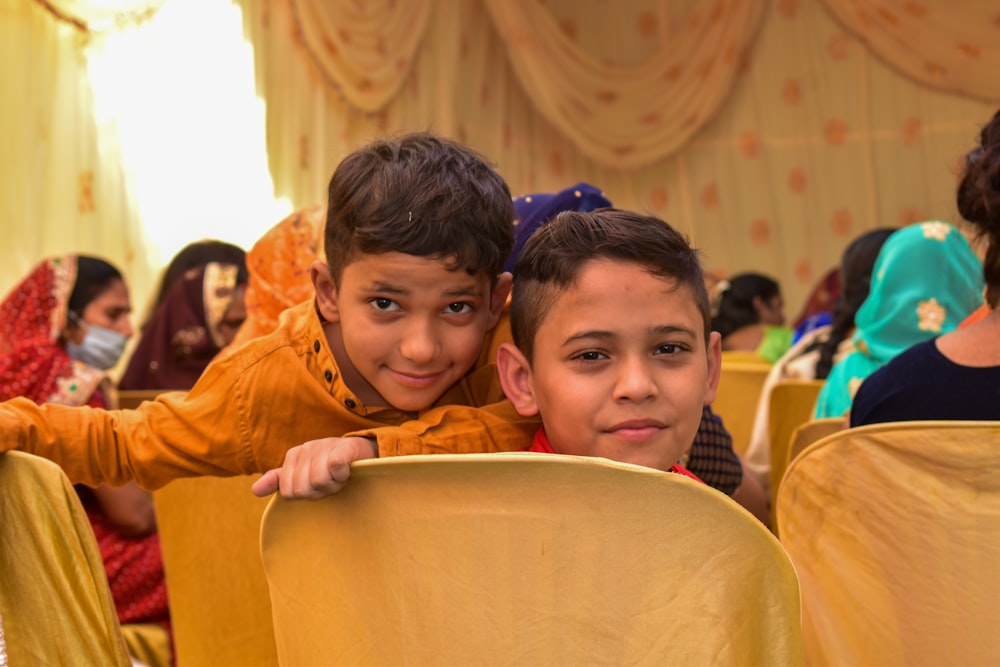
(33, 361)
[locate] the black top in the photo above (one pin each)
(921, 383)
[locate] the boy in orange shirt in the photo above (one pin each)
(388, 350)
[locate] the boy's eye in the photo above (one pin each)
(590, 355)
(384, 305)
(669, 348)
(459, 307)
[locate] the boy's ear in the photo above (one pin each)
(515, 379)
(498, 299)
(326, 291)
(713, 350)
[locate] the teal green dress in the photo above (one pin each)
(926, 280)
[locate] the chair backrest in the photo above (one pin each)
(525, 558)
(736, 399)
(55, 604)
(791, 405)
(894, 530)
(210, 537)
(129, 399)
(808, 433)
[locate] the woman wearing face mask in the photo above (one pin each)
(61, 329)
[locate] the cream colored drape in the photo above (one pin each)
(947, 44)
(812, 127)
(626, 117)
(62, 187)
(814, 140)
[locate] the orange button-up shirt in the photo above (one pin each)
(250, 406)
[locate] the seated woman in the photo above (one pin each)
(955, 375)
(748, 312)
(61, 329)
(199, 315)
(926, 280)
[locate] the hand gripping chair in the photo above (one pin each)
(55, 604)
(524, 558)
(894, 530)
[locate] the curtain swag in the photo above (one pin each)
(951, 45)
(95, 16)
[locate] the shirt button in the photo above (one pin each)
(350, 403)
(329, 376)
(316, 346)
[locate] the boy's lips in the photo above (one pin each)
(416, 380)
(637, 429)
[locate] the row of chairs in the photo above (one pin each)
(460, 559)
(561, 552)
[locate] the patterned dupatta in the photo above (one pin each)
(33, 360)
(278, 265)
(182, 336)
(926, 280)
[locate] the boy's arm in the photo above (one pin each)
(321, 467)
(457, 430)
(175, 436)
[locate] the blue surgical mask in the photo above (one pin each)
(101, 348)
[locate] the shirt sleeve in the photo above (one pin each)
(178, 435)
(457, 429)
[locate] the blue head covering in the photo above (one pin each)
(535, 210)
(926, 280)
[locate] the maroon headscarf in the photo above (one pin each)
(182, 337)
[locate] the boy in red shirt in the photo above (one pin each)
(612, 346)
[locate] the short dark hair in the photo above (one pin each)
(553, 257)
(421, 195)
(735, 307)
(93, 277)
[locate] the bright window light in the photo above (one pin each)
(179, 91)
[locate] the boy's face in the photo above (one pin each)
(621, 369)
(406, 328)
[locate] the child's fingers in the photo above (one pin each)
(267, 484)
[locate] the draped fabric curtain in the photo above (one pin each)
(626, 117)
(62, 187)
(97, 16)
(771, 133)
(363, 48)
(946, 44)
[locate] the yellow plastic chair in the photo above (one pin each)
(736, 399)
(808, 433)
(210, 538)
(55, 604)
(524, 558)
(791, 405)
(894, 530)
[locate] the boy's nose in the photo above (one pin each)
(419, 344)
(635, 381)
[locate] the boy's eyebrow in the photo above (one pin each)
(392, 288)
(598, 334)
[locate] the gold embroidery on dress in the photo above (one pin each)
(931, 315)
(936, 230)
